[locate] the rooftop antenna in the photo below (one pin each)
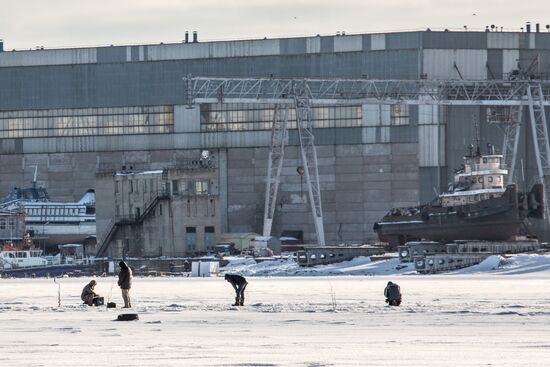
(477, 135)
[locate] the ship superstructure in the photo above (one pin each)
(49, 222)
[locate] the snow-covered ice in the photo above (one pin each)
(477, 317)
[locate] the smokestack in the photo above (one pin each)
(537, 27)
(195, 37)
(528, 27)
(186, 36)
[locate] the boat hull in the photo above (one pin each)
(497, 219)
(47, 271)
(61, 233)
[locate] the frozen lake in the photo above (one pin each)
(448, 320)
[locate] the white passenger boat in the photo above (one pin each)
(50, 222)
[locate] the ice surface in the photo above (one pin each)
(496, 317)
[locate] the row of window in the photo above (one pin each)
(23, 254)
(489, 179)
(85, 111)
(138, 186)
(160, 119)
(190, 187)
(178, 187)
(55, 211)
(241, 116)
(87, 121)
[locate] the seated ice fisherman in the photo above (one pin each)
(393, 294)
(88, 295)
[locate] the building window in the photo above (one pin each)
(209, 238)
(87, 121)
(175, 187)
(191, 238)
(246, 117)
(2, 223)
(399, 114)
(201, 187)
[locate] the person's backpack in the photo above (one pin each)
(393, 292)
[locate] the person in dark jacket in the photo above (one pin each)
(393, 294)
(125, 283)
(239, 283)
(88, 295)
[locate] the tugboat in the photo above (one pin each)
(477, 206)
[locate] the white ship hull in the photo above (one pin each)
(61, 233)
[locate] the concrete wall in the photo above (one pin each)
(359, 183)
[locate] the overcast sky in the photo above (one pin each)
(70, 23)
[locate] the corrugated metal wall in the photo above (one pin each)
(450, 64)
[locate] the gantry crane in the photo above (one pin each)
(301, 94)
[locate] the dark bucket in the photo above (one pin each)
(99, 301)
(111, 305)
(128, 317)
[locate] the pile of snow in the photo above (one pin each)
(525, 264)
(494, 264)
(491, 263)
(289, 267)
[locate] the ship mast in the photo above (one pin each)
(34, 177)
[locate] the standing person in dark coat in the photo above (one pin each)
(88, 295)
(125, 283)
(239, 283)
(393, 294)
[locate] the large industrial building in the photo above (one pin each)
(83, 115)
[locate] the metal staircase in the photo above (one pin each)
(120, 221)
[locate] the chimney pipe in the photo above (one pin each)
(186, 37)
(195, 37)
(537, 27)
(528, 27)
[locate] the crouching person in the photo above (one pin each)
(239, 283)
(393, 294)
(88, 295)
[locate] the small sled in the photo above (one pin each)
(127, 317)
